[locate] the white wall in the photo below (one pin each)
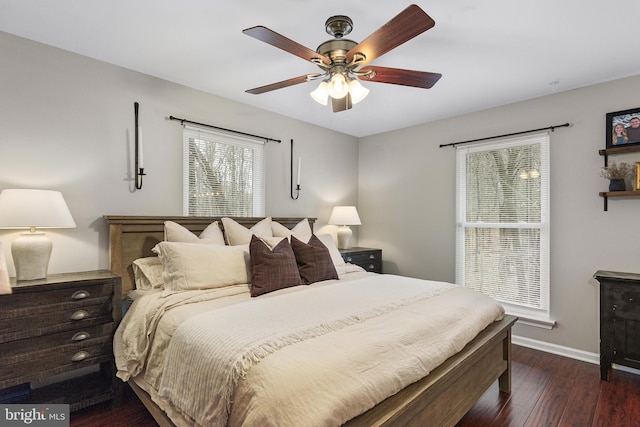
(407, 200)
(66, 124)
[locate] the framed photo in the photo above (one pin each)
(623, 128)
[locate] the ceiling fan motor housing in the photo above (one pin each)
(336, 50)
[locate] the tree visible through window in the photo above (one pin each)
(223, 174)
(503, 222)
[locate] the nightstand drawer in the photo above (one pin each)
(70, 318)
(368, 258)
(361, 257)
(44, 301)
(42, 346)
(374, 267)
(55, 361)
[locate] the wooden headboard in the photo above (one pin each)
(133, 237)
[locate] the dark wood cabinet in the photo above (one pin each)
(368, 258)
(54, 326)
(619, 320)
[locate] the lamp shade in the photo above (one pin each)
(344, 215)
(33, 209)
(22, 208)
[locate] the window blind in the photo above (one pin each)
(502, 236)
(223, 174)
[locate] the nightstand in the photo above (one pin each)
(57, 325)
(368, 258)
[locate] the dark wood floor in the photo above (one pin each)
(550, 390)
(547, 390)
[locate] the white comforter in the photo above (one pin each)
(345, 346)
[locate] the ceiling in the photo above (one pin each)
(490, 52)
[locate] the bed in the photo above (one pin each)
(440, 398)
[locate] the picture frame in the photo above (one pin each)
(623, 128)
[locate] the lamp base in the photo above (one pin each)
(344, 237)
(31, 253)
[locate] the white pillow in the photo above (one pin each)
(327, 240)
(238, 234)
(188, 266)
(147, 273)
(302, 230)
(271, 242)
(174, 232)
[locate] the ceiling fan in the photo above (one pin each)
(344, 61)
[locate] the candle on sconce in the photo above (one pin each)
(299, 167)
(140, 163)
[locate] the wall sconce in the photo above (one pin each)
(297, 189)
(344, 216)
(33, 209)
(138, 162)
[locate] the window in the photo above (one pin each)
(502, 236)
(223, 174)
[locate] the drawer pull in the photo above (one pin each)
(80, 295)
(80, 356)
(348, 259)
(372, 256)
(80, 336)
(371, 266)
(79, 315)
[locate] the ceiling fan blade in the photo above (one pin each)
(341, 104)
(397, 76)
(280, 85)
(274, 39)
(403, 27)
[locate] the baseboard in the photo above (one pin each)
(572, 353)
(560, 350)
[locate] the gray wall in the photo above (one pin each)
(66, 124)
(407, 200)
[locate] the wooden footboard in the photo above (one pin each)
(441, 398)
(448, 392)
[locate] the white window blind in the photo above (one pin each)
(502, 236)
(223, 174)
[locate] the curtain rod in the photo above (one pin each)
(552, 128)
(183, 121)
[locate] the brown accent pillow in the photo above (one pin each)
(314, 260)
(272, 269)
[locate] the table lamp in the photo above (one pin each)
(344, 216)
(32, 209)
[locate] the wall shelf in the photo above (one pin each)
(612, 151)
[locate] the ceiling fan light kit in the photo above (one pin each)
(321, 94)
(344, 61)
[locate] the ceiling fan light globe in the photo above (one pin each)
(357, 91)
(338, 87)
(321, 94)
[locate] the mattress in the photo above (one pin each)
(326, 352)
